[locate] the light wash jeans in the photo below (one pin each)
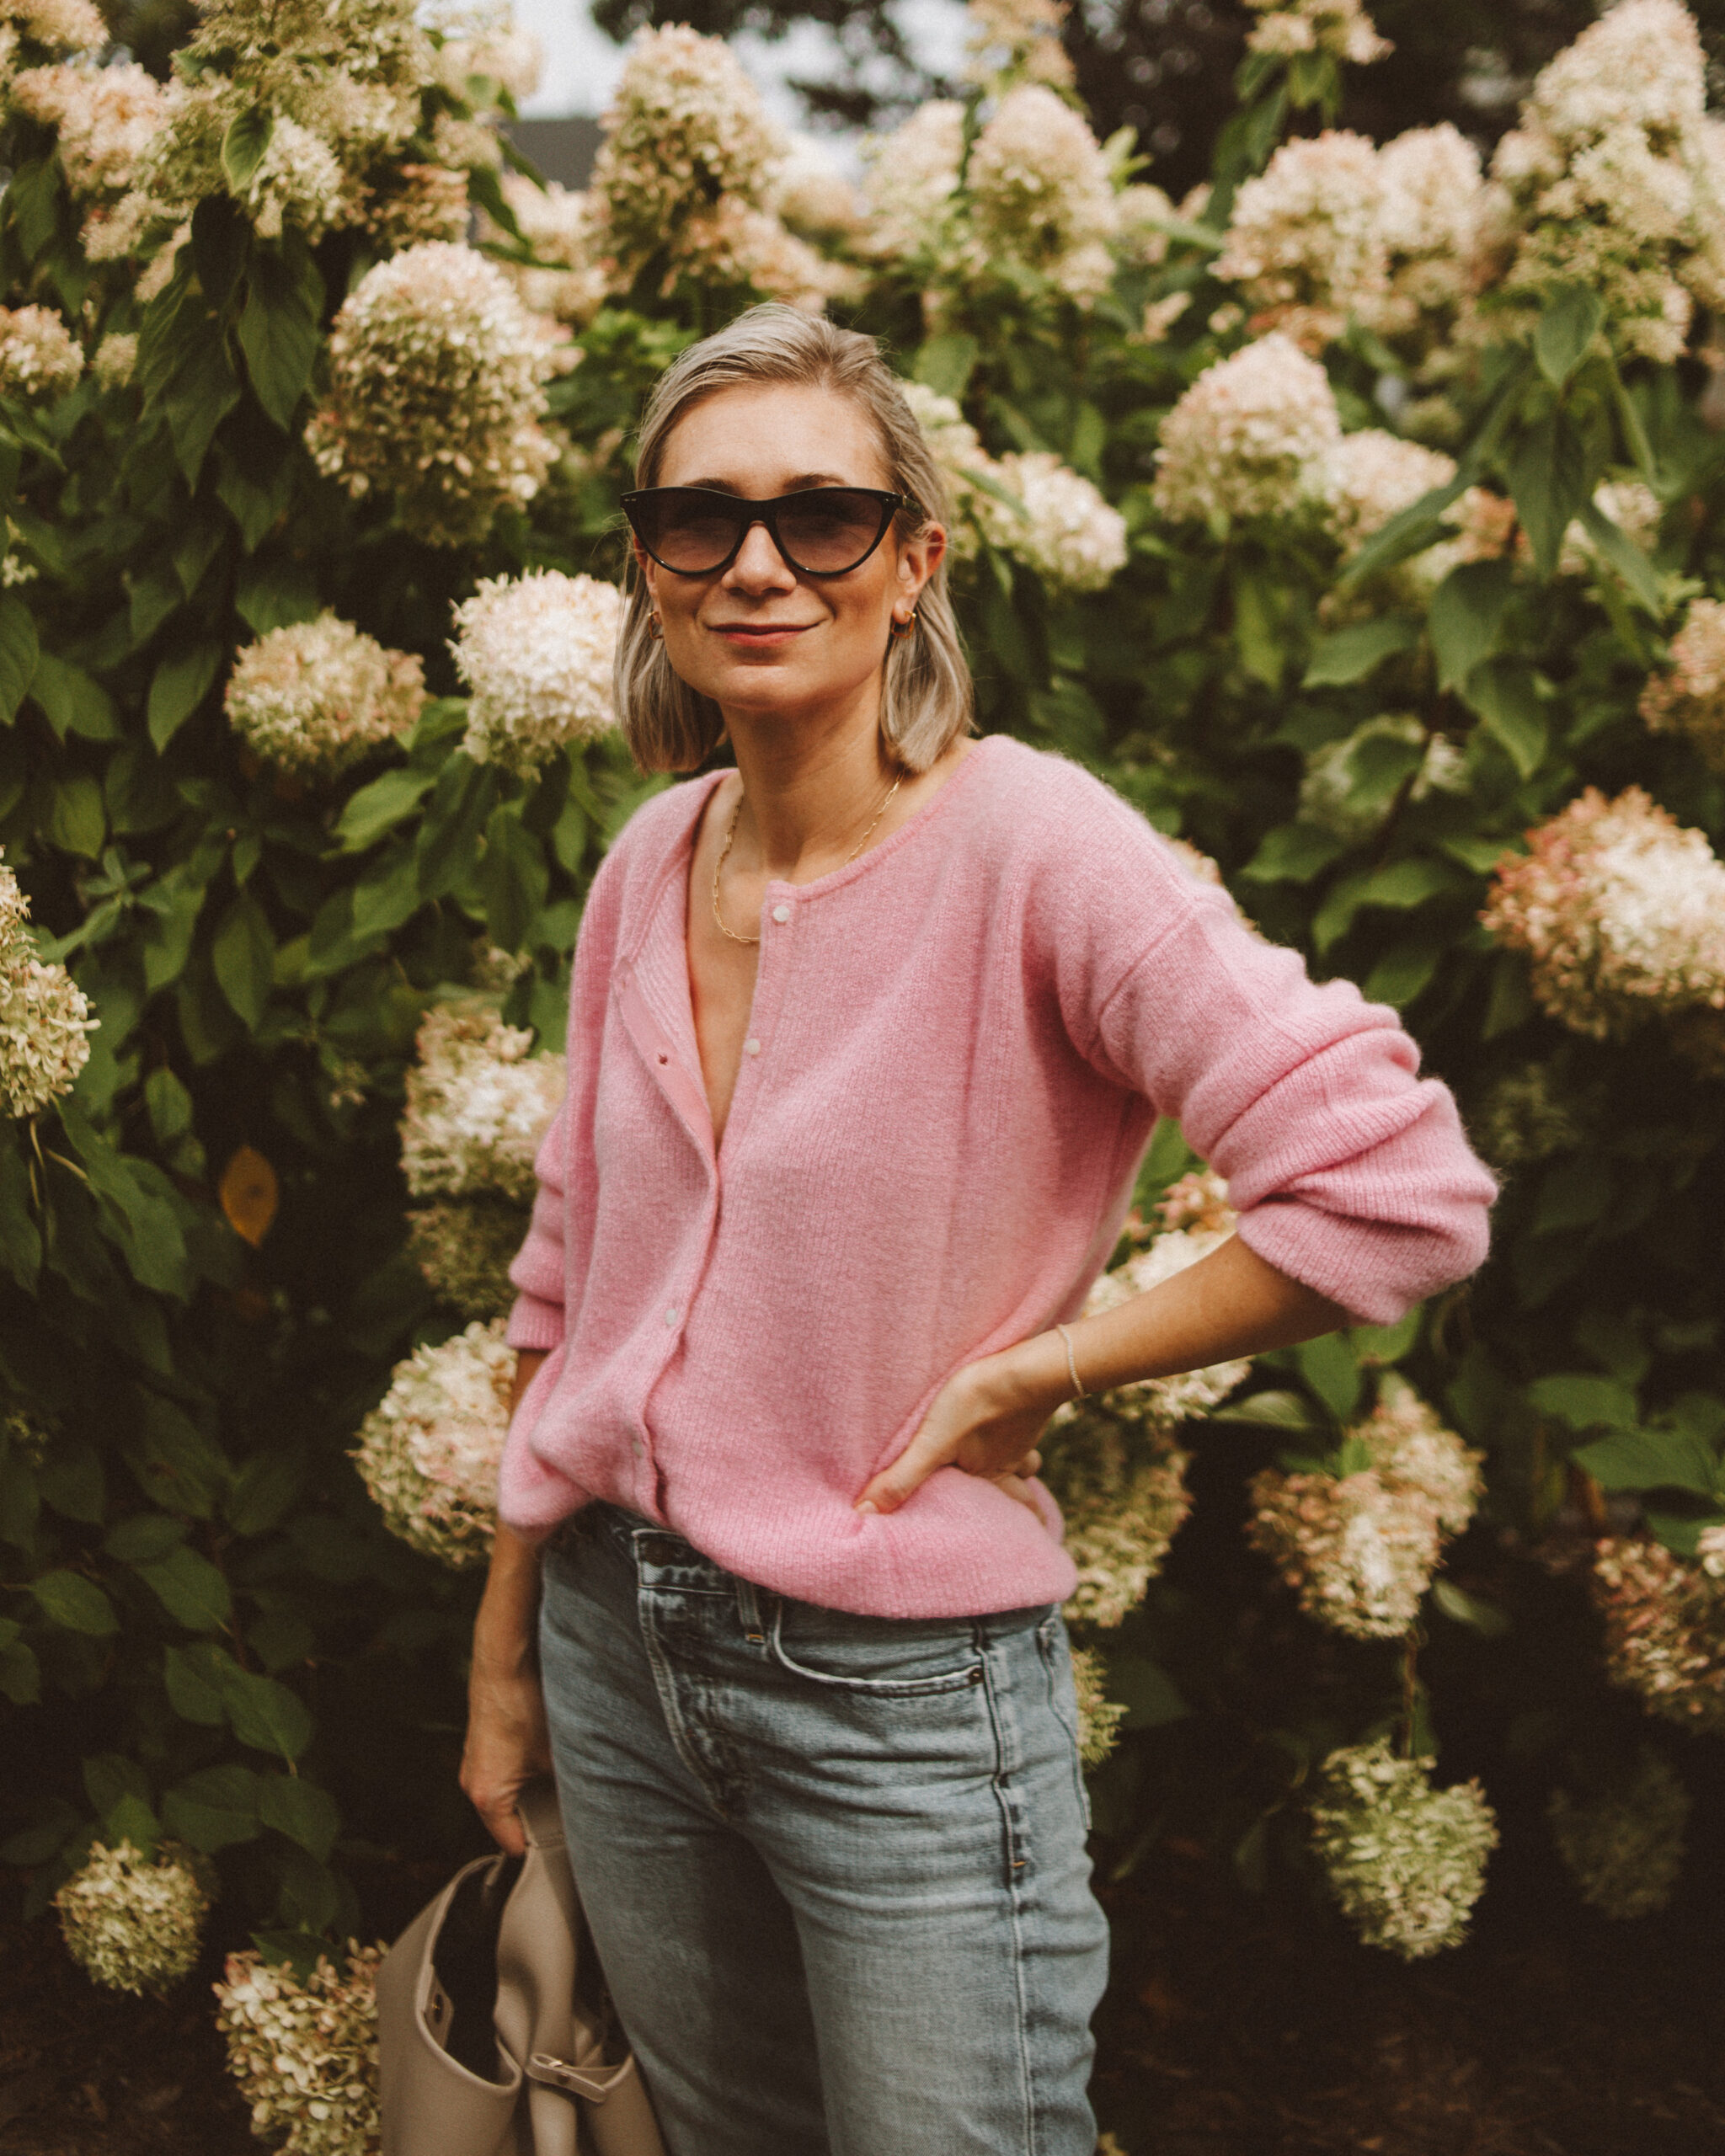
(835, 1865)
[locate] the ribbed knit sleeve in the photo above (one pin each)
(1349, 1172)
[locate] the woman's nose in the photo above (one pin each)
(759, 565)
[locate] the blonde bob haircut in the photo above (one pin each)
(925, 699)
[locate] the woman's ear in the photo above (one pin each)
(920, 556)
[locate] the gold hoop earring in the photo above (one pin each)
(655, 628)
(900, 630)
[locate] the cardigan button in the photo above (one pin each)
(780, 913)
(752, 1047)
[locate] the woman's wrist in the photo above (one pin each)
(1032, 1374)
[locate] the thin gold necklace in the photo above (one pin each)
(725, 852)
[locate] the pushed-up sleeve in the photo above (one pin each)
(1349, 1172)
(567, 1182)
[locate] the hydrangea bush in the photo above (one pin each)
(1358, 518)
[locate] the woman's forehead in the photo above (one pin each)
(766, 438)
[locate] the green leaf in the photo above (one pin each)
(1331, 1368)
(1615, 546)
(1386, 1345)
(190, 1588)
(20, 1676)
(278, 329)
(175, 903)
(263, 1491)
(143, 1539)
(263, 1714)
(110, 1778)
(1584, 1400)
(274, 592)
(185, 371)
(1569, 323)
(380, 806)
(1279, 1411)
(71, 702)
(1467, 613)
(179, 685)
(214, 1809)
(68, 1600)
(175, 1463)
(76, 820)
(302, 1811)
(193, 1676)
(72, 1481)
(1548, 477)
(19, 653)
(1652, 1459)
(242, 147)
(241, 953)
(1258, 636)
(33, 195)
(1484, 1618)
(1504, 694)
(1405, 884)
(1403, 972)
(514, 877)
(946, 363)
(20, 1239)
(1350, 654)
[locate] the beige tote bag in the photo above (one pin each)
(495, 2037)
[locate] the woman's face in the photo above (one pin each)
(758, 638)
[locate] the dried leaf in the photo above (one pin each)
(249, 1194)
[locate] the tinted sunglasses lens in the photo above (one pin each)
(685, 529)
(830, 528)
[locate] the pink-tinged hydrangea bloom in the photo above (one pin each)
(911, 179)
(132, 1923)
(317, 696)
(1371, 476)
(1359, 1549)
(1306, 242)
(1406, 1862)
(1621, 911)
(1013, 41)
(1690, 698)
(62, 25)
(44, 1016)
(561, 225)
(1251, 438)
(429, 1452)
(437, 377)
(304, 2050)
(478, 1101)
(1664, 1625)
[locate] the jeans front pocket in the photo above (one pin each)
(888, 1657)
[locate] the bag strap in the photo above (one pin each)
(536, 1808)
(595, 2084)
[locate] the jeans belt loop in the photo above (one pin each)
(749, 1612)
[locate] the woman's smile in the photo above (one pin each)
(761, 636)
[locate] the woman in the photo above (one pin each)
(866, 1039)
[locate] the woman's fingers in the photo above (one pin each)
(927, 1450)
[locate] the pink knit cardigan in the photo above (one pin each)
(958, 1048)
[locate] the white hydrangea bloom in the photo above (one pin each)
(429, 1452)
(812, 195)
(132, 1923)
(304, 2051)
(316, 696)
(1409, 1443)
(105, 118)
(1042, 191)
(1624, 1846)
(561, 225)
(62, 25)
(44, 1016)
(1013, 41)
(911, 178)
(1371, 476)
(1602, 173)
(116, 357)
(1341, 27)
(1058, 522)
(1621, 911)
(486, 42)
(477, 1104)
(1434, 218)
(1406, 1862)
(1099, 1717)
(1251, 438)
(465, 1246)
(536, 651)
(38, 357)
(437, 377)
(1306, 241)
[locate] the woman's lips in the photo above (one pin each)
(759, 636)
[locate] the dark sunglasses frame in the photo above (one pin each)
(745, 514)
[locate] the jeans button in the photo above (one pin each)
(658, 1550)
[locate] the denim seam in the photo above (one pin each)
(880, 1688)
(998, 1694)
(1047, 1634)
(665, 1684)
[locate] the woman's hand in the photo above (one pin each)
(985, 1419)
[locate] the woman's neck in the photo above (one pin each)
(809, 790)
